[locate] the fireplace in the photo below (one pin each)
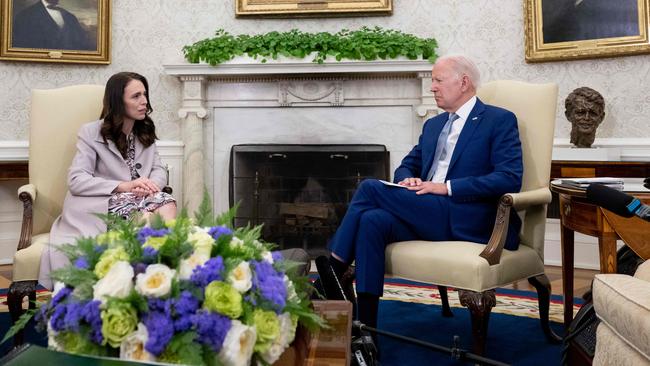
(300, 192)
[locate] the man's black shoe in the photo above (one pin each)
(332, 287)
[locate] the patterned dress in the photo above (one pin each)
(125, 204)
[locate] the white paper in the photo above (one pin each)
(392, 184)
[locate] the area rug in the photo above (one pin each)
(515, 336)
(413, 309)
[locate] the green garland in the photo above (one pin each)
(363, 44)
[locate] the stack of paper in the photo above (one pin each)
(583, 183)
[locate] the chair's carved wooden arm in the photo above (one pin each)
(517, 201)
(27, 194)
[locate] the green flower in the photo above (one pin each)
(118, 321)
(155, 242)
(109, 238)
(267, 325)
(223, 298)
(108, 258)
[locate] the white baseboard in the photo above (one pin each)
(586, 254)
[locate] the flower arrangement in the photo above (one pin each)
(188, 292)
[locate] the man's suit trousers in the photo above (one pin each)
(378, 215)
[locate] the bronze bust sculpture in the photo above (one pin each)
(585, 109)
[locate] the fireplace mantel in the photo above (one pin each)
(285, 66)
(244, 84)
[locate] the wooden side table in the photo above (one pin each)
(326, 347)
(579, 214)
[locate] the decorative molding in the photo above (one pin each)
(284, 66)
(312, 92)
(14, 150)
(631, 149)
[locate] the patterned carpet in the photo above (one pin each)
(510, 302)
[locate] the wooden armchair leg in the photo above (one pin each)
(446, 310)
(480, 305)
(543, 287)
(17, 292)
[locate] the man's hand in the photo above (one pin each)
(424, 187)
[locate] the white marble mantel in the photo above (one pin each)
(222, 105)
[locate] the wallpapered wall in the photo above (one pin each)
(149, 33)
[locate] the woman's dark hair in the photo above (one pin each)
(113, 113)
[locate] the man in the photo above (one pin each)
(450, 183)
(47, 25)
(585, 109)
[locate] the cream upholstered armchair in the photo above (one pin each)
(622, 304)
(474, 269)
(56, 116)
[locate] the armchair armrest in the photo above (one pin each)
(518, 201)
(27, 194)
(539, 196)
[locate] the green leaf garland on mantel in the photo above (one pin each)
(363, 44)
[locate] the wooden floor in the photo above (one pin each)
(581, 282)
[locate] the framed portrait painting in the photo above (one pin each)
(311, 8)
(577, 29)
(70, 31)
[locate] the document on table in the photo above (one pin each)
(391, 184)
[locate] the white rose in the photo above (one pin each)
(238, 345)
(118, 282)
(291, 289)
(187, 266)
(132, 347)
(202, 241)
(267, 256)
(236, 242)
(58, 286)
(156, 281)
(241, 277)
(287, 334)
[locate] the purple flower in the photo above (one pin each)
(146, 232)
(60, 296)
(139, 268)
(277, 256)
(160, 306)
(81, 263)
(161, 329)
(149, 255)
(211, 328)
(91, 314)
(186, 303)
(57, 319)
(208, 272)
(270, 284)
(73, 316)
(217, 231)
(184, 307)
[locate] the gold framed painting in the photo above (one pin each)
(311, 8)
(68, 31)
(578, 29)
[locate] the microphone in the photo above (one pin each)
(618, 202)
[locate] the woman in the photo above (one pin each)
(116, 169)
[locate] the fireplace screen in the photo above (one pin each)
(300, 192)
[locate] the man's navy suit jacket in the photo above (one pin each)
(486, 163)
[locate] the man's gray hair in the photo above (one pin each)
(464, 66)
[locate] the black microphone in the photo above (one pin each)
(618, 202)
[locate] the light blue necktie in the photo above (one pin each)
(441, 146)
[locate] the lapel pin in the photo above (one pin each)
(474, 119)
